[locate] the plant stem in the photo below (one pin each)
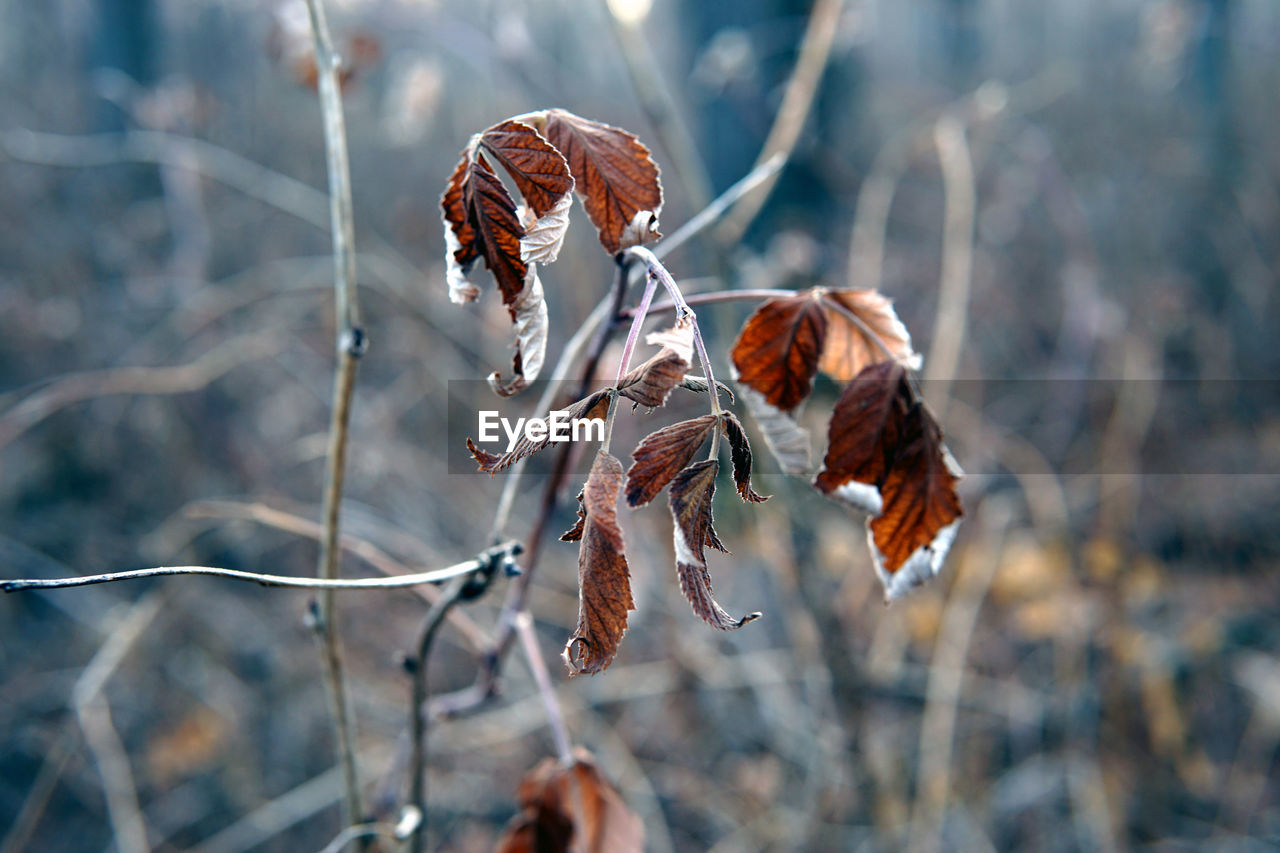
(351, 345)
(538, 666)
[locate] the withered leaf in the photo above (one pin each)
(571, 808)
(886, 457)
(864, 434)
(912, 534)
(604, 581)
(691, 497)
(538, 170)
(740, 452)
(849, 346)
(698, 385)
(786, 440)
(593, 407)
(573, 534)
(777, 351)
(661, 455)
(650, 383)
(480, 218)
(530, 315)
(615, 177)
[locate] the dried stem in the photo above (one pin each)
(351, 345)
(538, 666)
(330, 584)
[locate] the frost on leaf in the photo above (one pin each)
(572, 808)
(615, 177)
(604, 581)
(482, 221)
(740, 452)
(691, 496)
(885, 456)
(650, 383)
(662, 454)
(591, 408)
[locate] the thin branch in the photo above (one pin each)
(358, 831)
(179, 379)
(957, 258)
(381, 582)
(351, 345)
(418, 719)
(765, 171)
(796, 103)
(538, 666)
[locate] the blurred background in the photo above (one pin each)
(1091, 192)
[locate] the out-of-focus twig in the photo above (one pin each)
(351, 346)
(541, 677)
(946, 674)
(180, 379)
(94, 714)
(957, 259)
(796, 103)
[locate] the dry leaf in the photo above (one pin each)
(885, 457)
(571, 808)
(544, 236)
(849, 348)
(604, 581)
(777, 351)
(740, 452)
(573, 534)
(691, 496)
(786, 440)
(530, 315)
(650, 384)
(480, 214)
(662, 454)
(538, 170)
(594, 407)
(615, 177)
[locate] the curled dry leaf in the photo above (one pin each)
(740, 452)
(786, 440)
(853, 344)
(530, 315)
(604, 581)
(482, 221)
(594, 407)
(698, 385)
(572, 808)
(650, 383)
(615, 177)
(886, 457)
(573, 534)
(661, 456)
(691, 497)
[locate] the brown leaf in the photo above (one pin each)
(615, 177)
(912, 534)
(661, 455)
(885, 456)
(571, 808)
(573, 534)
(594, 407)
(650, 384)
(777, 351)
(691, 497)
(863, 437)
(481, 221)
(740, 452)
(538, 170)
(849, 346)
(604, 581)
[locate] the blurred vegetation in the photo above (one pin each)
(1098, 668)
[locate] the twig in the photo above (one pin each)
(418, 719)
(538, 666)
(946, 674)
(356, 831)
(351, 345)
(796, 102)
(94, 714)
(91, 384)
(957, 258)
(381, 582)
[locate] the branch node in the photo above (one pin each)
(354, 342)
